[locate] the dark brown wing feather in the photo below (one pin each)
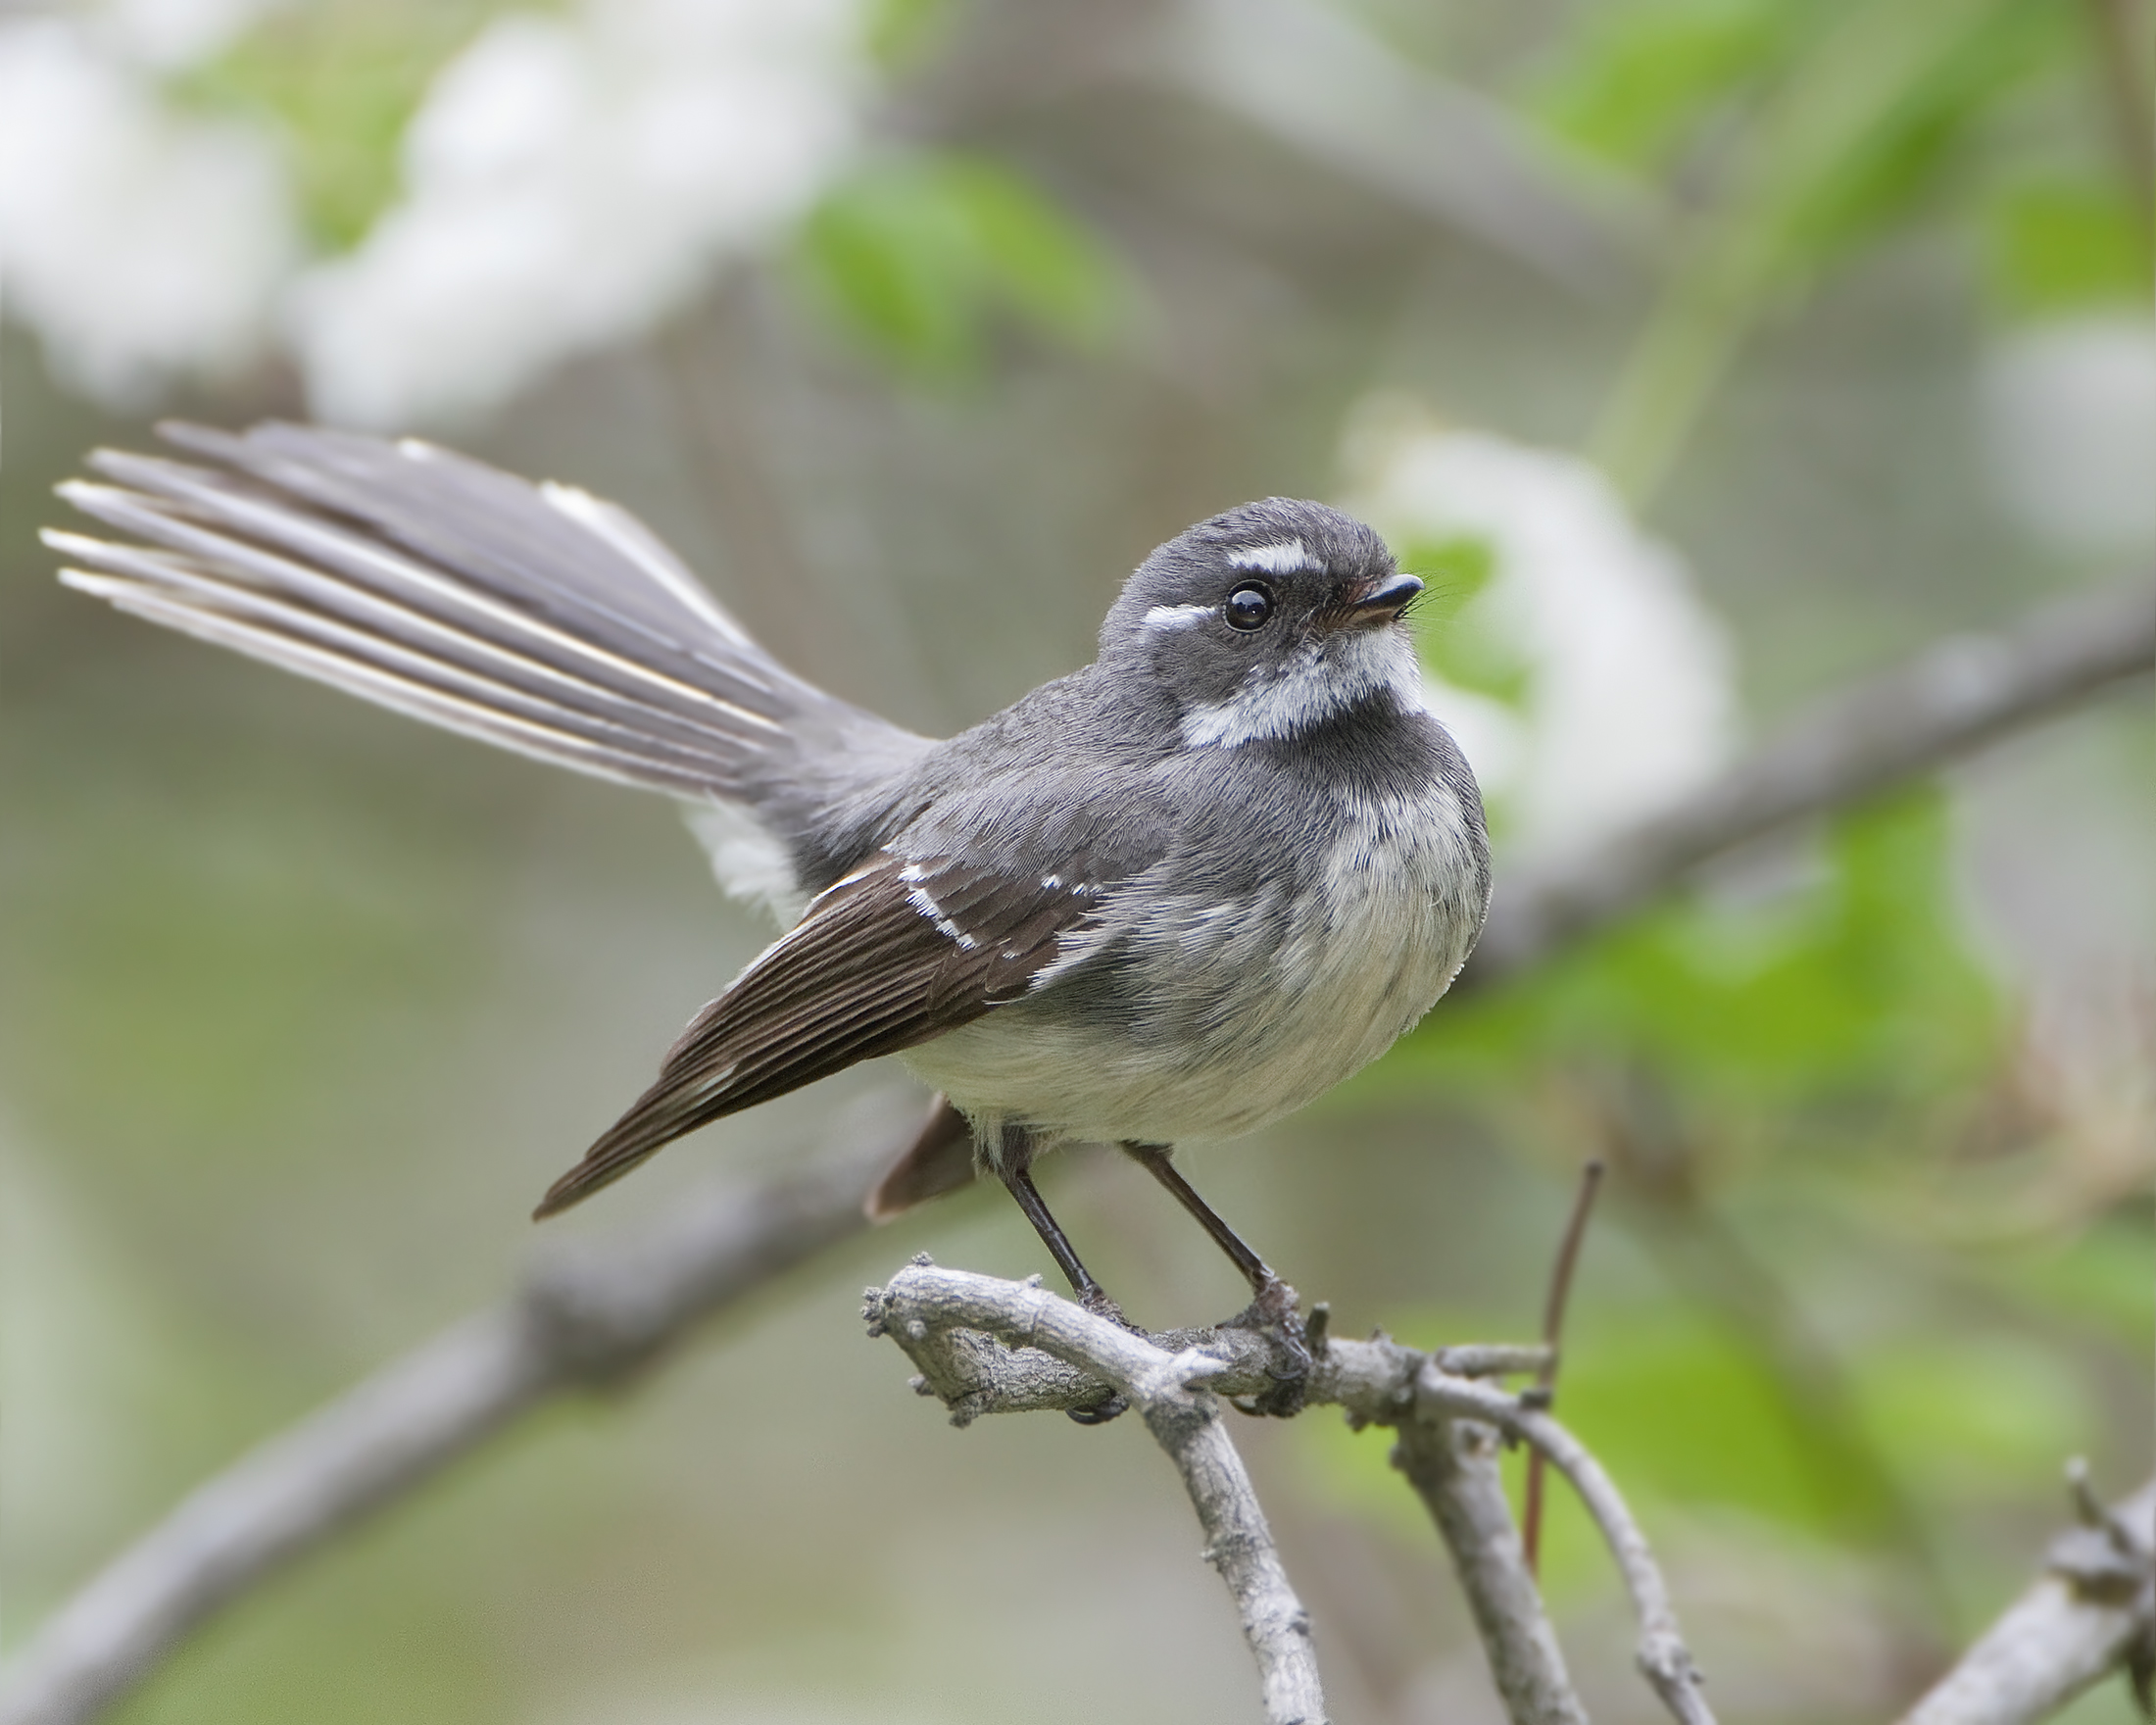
(894, 955)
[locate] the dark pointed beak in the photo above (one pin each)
(1381, 601)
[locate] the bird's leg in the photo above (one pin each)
(1272, 1309)
(1010, 1155)
(1091, 1295)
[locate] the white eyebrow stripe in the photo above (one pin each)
(1287, 557)
(1175, 616)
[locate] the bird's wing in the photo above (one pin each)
(898, 952)
(535, 616)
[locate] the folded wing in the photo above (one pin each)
(898, 952)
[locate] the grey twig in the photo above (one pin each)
(924, 1306)
(1452, 1466)
(2091, 1613)
(1444, 1419)
(578, 1322)
(386, 1437)
(1947, 700)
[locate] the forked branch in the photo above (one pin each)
(989, 1347)
(925, 1310)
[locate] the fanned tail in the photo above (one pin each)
(535, 616)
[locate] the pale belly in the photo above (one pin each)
(1237, 1015)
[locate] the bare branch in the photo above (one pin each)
(1664, 1657)
(1379, 1382)
(924, 1304)
(1453, 1465)
(578, 1323)
(2090, 1614)
(1950, 700)
(575, 1326)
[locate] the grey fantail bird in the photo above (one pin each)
(1177, 894)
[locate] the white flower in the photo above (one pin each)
(170, 34)
(2070, 412)
(1625, 701)
(568, 183)
(141, 243)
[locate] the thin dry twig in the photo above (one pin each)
(383, 1439)
(2093, 1613)
(924, 1306)
(1553, 1324)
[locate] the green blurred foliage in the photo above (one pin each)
(2060, 245)
(1862, 982)
(1455, 637)
(921, 256)
(1637, 84)
(1792, 133)
(903, 34)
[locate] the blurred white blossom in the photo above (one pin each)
(568, 180)
(2070, 412)
(1624, 697)
(142, 242)
(173, 35)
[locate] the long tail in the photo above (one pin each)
(535, 616)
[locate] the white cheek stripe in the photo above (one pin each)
(1287, 558)
(1318, 682)
(1175, 616)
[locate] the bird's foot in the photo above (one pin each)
(1095, 1299)
(1274, 1314)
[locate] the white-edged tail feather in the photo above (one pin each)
(537, 617)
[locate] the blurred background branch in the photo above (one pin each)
(2091, 1615)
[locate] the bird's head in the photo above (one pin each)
(1267, 622)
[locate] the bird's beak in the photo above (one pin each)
(1381, 601)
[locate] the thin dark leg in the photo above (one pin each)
(1091, 1295)
(1153, 1157)
(1272, 1309)
(1012, 1162)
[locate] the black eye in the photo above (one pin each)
(1247, 608)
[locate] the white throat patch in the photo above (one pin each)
(1326, 675)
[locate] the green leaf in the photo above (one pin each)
(1638, 82)
(1457, 638)
(919, 257)
(2063, 245)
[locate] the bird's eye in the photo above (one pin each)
(1248, 607)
